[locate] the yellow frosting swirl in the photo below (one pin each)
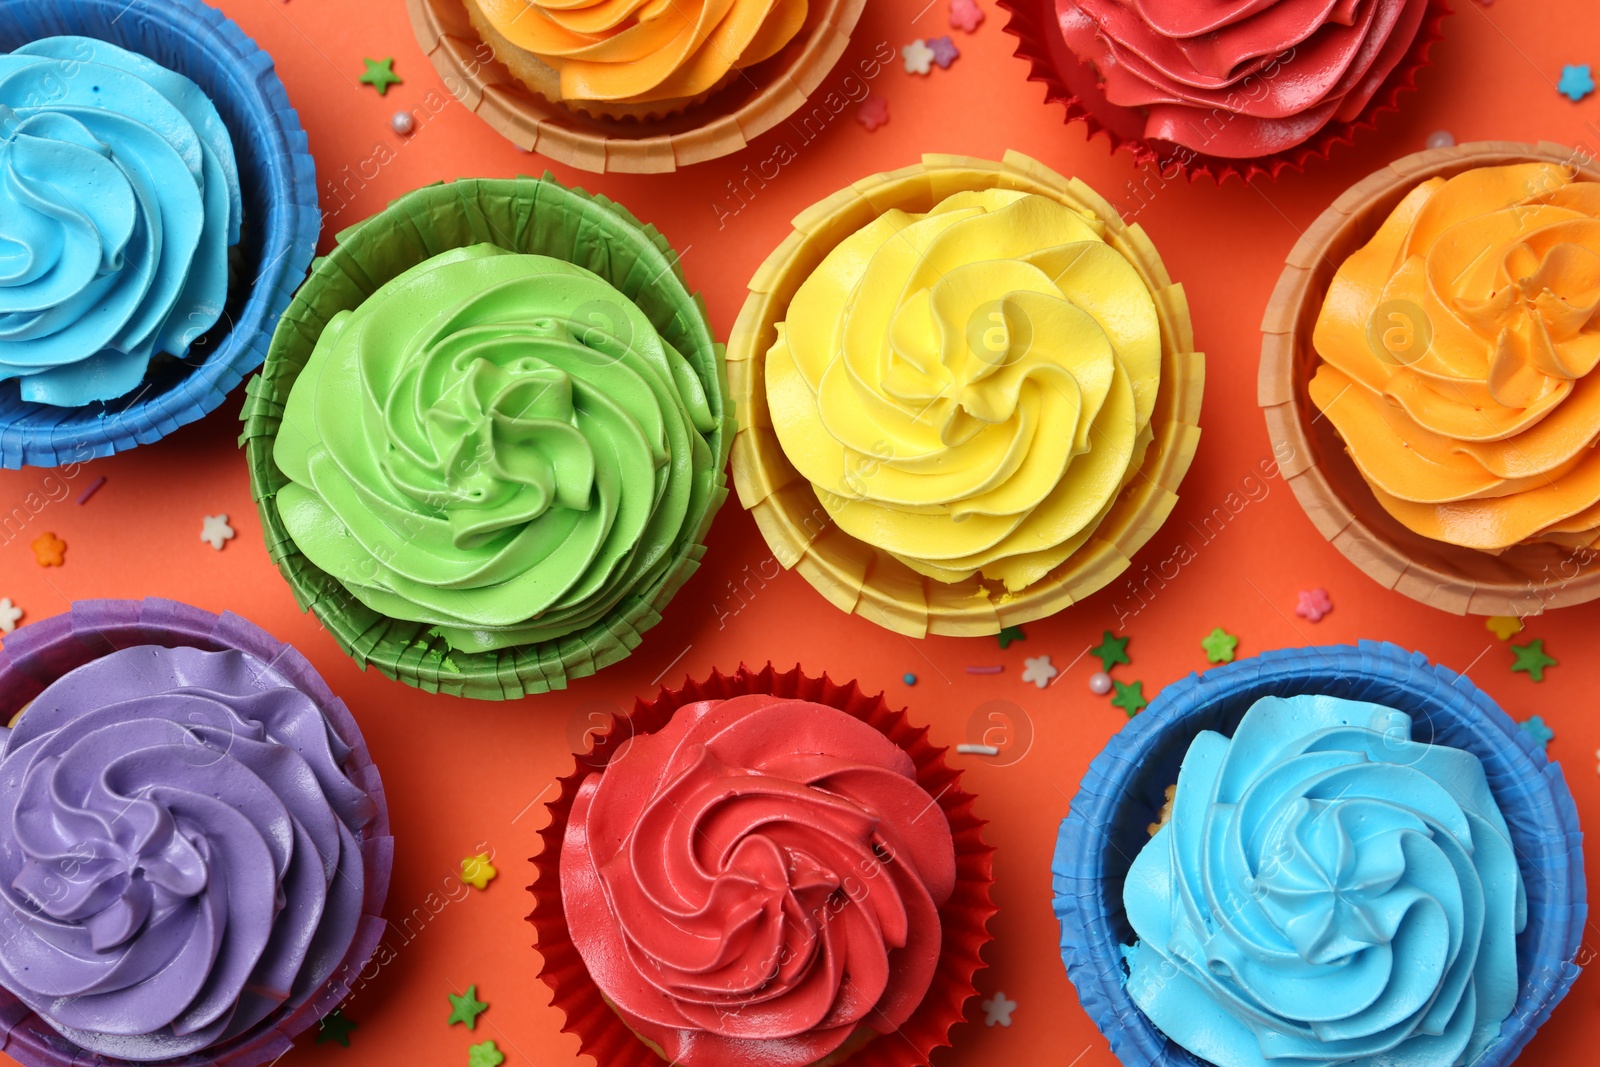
(640, 51)
(970, 388)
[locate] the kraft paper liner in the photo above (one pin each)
(859, 578)
(1123, 792)
(35, 655)
(1523, 580)
(1075, 84)
(524, 215)
(277, 240)
(752, 103)
(964, 918)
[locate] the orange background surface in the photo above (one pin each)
(460, 773)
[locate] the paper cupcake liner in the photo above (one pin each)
(1523, 580)
(278, 239)
(524, 215)
(1123, 792)
(36, 655)
(755, 101)
(859, 578)
(964, 918)
(1075, 84)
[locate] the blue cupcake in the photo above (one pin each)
(1364, 862)
(157, 210)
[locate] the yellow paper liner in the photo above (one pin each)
(1523, 580)
(859, 578)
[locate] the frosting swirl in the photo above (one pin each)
(1241, 78)
(756, 881)
(1458, 352)
(970, 388)
(120, 198)
(181, 860)
(641, 51)
(1328, 891)
(499, 445)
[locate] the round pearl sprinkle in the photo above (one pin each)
(402, 123)
(1100, 683)
(1441, 139)
(909, 679)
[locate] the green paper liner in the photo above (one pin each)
(524, 215)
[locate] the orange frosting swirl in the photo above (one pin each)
(1457, 350)
(641, 51)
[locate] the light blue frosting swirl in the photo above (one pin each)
(1327, 891)
(119, 199)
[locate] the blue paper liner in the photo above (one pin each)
(1124, 789)
(37, 654)
(278, 238)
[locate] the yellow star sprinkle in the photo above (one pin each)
(1503, 626)
(477, 871)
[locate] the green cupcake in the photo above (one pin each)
(490, 436)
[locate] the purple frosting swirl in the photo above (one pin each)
(183, 860)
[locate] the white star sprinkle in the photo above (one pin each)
(215, 531)
(9, 614)
(997, 1010)
(918, 57)
(1038, 671)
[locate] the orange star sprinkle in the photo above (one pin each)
(50, 550)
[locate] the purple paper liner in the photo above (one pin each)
(1124, 789)
(35, 655)
(279, 235)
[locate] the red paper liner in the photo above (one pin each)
(1073, 82)
(964, 918)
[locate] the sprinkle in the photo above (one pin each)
(965, 15)
(1503, 626)
(1130, 698)
(93, 488)
(1219, 645)
(918, 57)
(466, 1008)
(335, 1027)
(874, 112)
(1111, 650)
(997, 1010)
(1314, 604)
(477, 871)
(10, 615)
(977, 750)
(1441, 139)
(909, 678)
(1038, 670)
(1532, 660)
(1576, 82)
(945, 51)
(380, 74)
(1535, 728)
(215, 531)
(484, 1055)
(50, 550)
(1099, 683)
(1010, 634)
(402, 123)
(990, 669)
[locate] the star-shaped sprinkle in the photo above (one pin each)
(49, 550)
(1313, 604)
(477, 871)
(997, 1010)
(1010, 634)
(335, 1027)
(484, 1055)
(1576, 82)
(1038, 670)
(380, 75)
(466, 1008)
(965, 15)
(1535, 728)
(215, 531)
(10, 615)
(1111, 650)
(874, 112)
(945, 51)
(1503, 626)
(1130, 698)
(1219, 645)
(918, 57)
(1531, 659)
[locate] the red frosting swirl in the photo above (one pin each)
(1241, 78)
(757, 880)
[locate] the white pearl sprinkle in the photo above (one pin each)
(1441, 139)
(1100, 683)
(402, 123)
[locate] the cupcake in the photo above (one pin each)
(1238, 88)
(194, 844)
(1435, 365)
(826, 878)
(967, 394)
(166, 209)
(1365, 861)
(489, 438)
(646, 89)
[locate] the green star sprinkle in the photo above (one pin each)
(484, 1055)
(1130, 697)
(1532, 660)
(1219, 645)
(1111, 650)
(1010, 634)
(335, 1027)
(380, 75)
(466, 1008)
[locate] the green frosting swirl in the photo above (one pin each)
(498, 445)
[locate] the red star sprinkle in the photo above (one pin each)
(874, 112)
(1314, 604)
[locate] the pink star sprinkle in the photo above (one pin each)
(965, 15)
(874, 112)
(1314, 604)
